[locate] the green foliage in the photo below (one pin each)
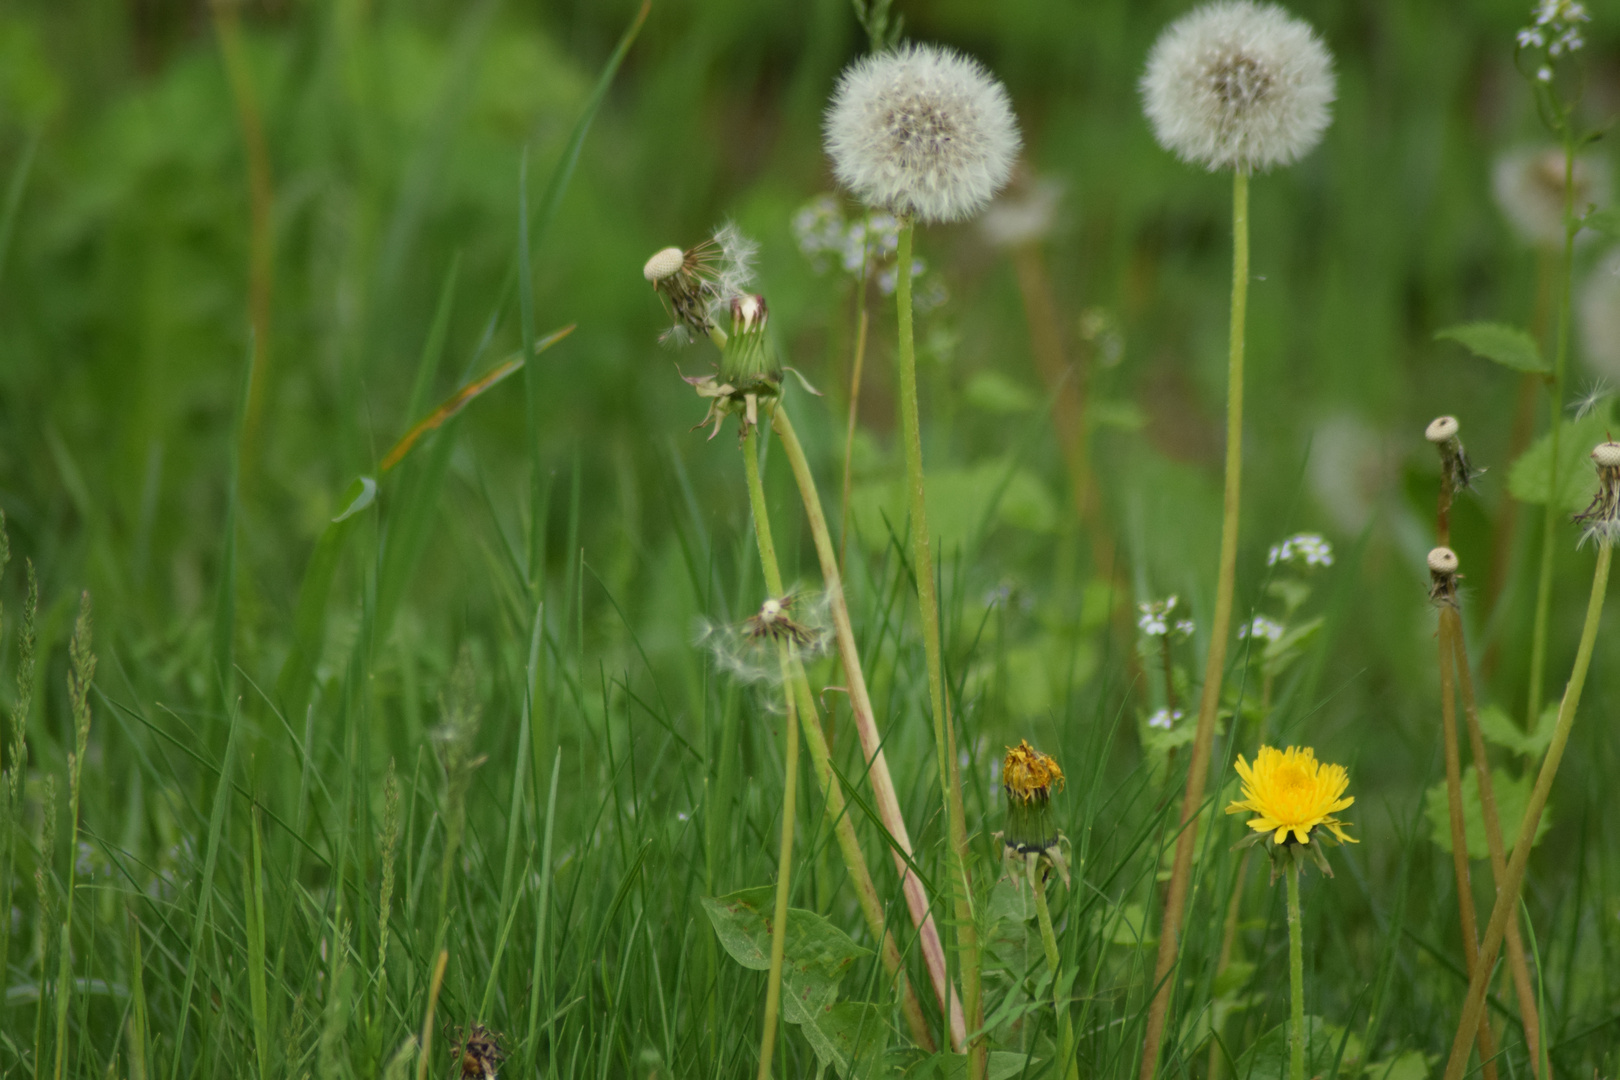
(1512, 795)
(1530, 478)
(1506, 345)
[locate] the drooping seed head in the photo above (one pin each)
(1441, 429)
(1238, 85)
(921, 131)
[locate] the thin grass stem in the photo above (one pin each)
(1507, 893)
(1215, 665)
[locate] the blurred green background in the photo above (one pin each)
(395, 134)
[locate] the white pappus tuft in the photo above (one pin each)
(921, 131)
(1238, 85)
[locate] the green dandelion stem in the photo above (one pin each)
(1296, 978)
(1060, 1007)
(1507, 893)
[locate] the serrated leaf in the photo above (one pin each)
(1500, 729)
(1606, 221)
(1528, 479)
(1506, 345)
(1512, 797)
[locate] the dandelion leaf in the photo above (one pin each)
(1412, 1065)
(1003, 1065)
(1605, 221)
(1529, 481)
(850, 1036)
(1512, 796)
(1500, 729)
(1507, 345)
(1267, 1059)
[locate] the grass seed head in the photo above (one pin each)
(921, 131)
(1238, 85)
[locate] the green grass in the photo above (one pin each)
(507, 629)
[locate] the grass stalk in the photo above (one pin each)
(887, 802)
(1507, 893)
(821, 756)
(79, 679)
(1296, 978)
(1566, 284)
(862, 321)
(1215, 665)
(434, 984)
(950, 779)
(1466, 915)
(1518, 964)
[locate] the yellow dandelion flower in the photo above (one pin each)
(1029, 775)
(1292, 792)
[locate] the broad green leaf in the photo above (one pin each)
(962, 504)
(850, 1036)
(1412, 1065)
(1606, 221)
(1512, 796)
(1507, 345)
(815, 956)
(1267, 1059)
(1499, 728)
(994, 392)
(1528, 479)
(1123, 415)
(1003, 1066)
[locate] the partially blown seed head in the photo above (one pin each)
(921, 131)
(1441, 428)
(1602, 515)
(1238, 85)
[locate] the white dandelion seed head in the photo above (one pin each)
(1441, 429)
(1442, 560)
(922, 131)
(1599, 317)
(1024, 215)
(1529, 187)
(734, 270)
(1238, 85)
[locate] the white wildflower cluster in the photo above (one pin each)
(1305, 549)
(862, 247)
(922, 132)
(1156, 620)
(1557, 29)
(1238, 85)
(1263, 628)
(1164, 719)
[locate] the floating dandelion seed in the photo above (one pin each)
(1595, 393)
(1602, 515)
(1529, 187)
(747, 651)
(1294, 799)
(1238, 85)
(923, 132)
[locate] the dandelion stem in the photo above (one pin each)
(1538, 640)
(888, 804)
(821, 759)
(1459, 833)
(1296, 979)
(1507, 892)
(1070, 1068)
(1215, 665)
(950, 779)
(862, 320)
(1518, 964)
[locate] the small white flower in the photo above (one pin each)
(1164, 719)
(1155, 618)
(1185, 627)
(1544, 74)
(1529, 187)
(1307, 549)
(1238, 85)
(921, 131)
(1263, 628)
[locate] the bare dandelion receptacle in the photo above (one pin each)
(1602, 515)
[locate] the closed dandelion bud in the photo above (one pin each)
(1029, 778)
(746, 362)
(922, 132)
(1238, 85)
(1602, 516)
(1443, 575)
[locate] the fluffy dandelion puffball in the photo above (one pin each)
(922, 131)
(1291, 792)
(1529, 187)
(1238, 85)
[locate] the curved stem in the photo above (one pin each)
(1296, 979)
(1507, 893)
(883, 792)
(1538, 640)
(1215, 665)
(950, 780)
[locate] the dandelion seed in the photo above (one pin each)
(1595, 393)
(923, 132)
(1528, 184)
(1238, 85)
(1292, 795)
